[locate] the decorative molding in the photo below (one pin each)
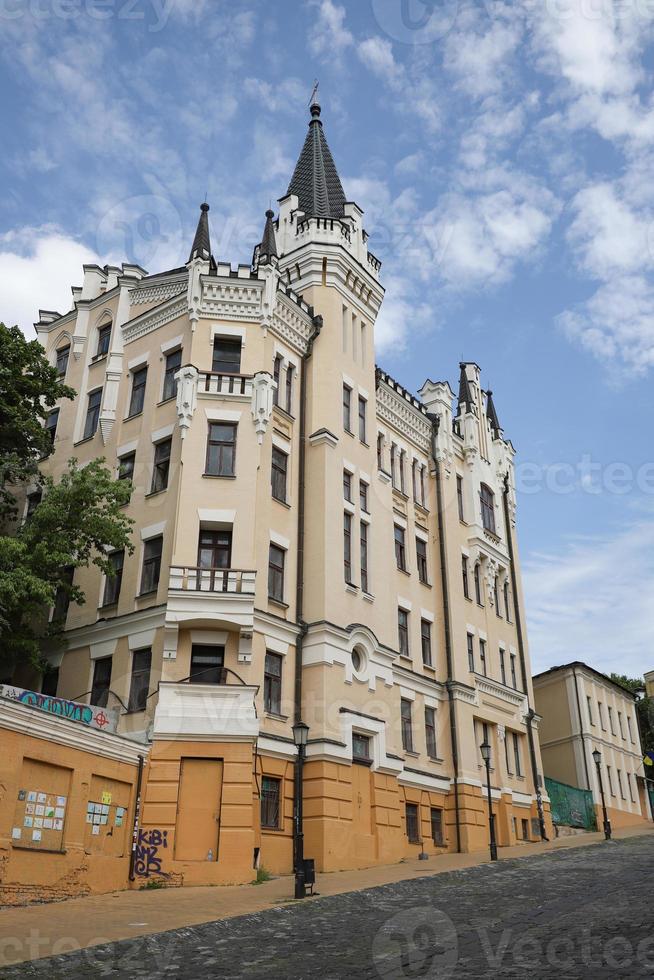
(402, 416)
(158, 292)
(155, 318)
(187, 397)
(263, 387)
(231, 299)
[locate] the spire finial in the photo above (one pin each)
(314, 105)
(201, 248)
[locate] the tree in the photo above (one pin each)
(78, 523)
(644, 707)
(29, 388)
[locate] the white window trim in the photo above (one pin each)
(404, 604)
(223, 330)
(127, 448)
(220, 415)
(163, 433)
(208, 638)
(407, 693)
(208, 517)
(170, 346)
(281, 442)
(280, 540)
(422, 535)
(138, 641)
(153, 531)
(426, 614)
(138, 362)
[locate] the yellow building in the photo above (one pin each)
(582, 712)
(649, 684)
(312, 543)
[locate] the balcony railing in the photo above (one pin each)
(234, 581)
(214, 383)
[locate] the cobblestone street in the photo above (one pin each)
(576, 913)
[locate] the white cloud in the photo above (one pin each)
(479, 52)
(607, 234)
(38, 266)
(284, 96)
(328, 35)
(376, 53)
(573, 596)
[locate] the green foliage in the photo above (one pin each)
(78, 521)
(262, 875)
(644, 707)
(29, 388)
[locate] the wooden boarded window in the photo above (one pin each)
(198, 810)
(42, 806)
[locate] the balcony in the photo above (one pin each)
(211, 597)
(206, 711)
(224, 385)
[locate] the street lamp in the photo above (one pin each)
(486, 756)
(300, 737)
(597, 757)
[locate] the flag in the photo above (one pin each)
(649, 759)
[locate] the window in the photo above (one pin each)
(104, 338)
(63, 355)
(51, 424)
(347, 546)
(226, 355)
(403, 631)
(380, 451)
(477, 576)
(137, 399)
(459, 496)
(215, 549)
(412, 830)
(347, 408)
(482, 657)
(272, 684)
(151, 565)
(421, 556)
(173, 364)
(33, 501)
(361, 747)
(464, 573)
(276, 559)
(364, 557)
(62, 596)
(363, 496)
(140, 682)
(514, 678)
(277, 367)
(126, 466)
(609, 774)
(487, 508)
(590, 710)
(113, 582)
(347, 485)
(407, 731)
(620, 724)
(471, 651)
(221, 449)
(631, 791)
(279, 473)
(631, 734)
(207, 664)
(161, 469)
(101, 682)
(516, 753)
(393, 466)
(414, 478)
(507, 604)
(600, 712)
(507, 754)
(362, 419)
(289, 388)
(503, 665)
(611, 721)
(423, 499)
(436, 817)
(620, 784)
(402, 472)
(400, 548)
(496, 596)
(270, 802)
(430, 732)
(92, 414)
(525, 829)
(425, 641)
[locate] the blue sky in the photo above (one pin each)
(503, 153)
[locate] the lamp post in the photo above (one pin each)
(300, 737)
(597, 757)
(486, 756)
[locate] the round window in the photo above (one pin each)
(357, 660)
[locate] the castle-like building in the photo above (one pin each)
(313, 544)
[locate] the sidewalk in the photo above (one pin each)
(46, 930)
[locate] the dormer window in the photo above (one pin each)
(104, 338)
(487, 508)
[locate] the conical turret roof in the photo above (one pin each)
(315, 180)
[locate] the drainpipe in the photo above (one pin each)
(137, 817)
(299, 591)
(523, 662)
(435, 423)
(581, 731)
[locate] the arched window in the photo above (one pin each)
(488, 508)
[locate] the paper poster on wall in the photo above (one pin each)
(39, 810)
(22, 794)
(36, 835)
(61, 801)
(38, 821)
(31, 797)
(29, 821)
(58, 824)
(89, 818)
(41, 798)
(106, 798)
(104, 819)
(29, 808)
(95, 829)
(16, 833)
(59, 812)
(47, 823)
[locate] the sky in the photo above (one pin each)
(503, 153)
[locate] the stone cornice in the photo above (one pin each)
(397, 412)
(157, 317)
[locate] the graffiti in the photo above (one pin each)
(83, 714)
(148, 860)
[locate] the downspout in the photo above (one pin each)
(435, 423)
(299, 588)
(137, 817)
(581, 731)
(523, 662)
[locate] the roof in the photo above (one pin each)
(268, 245)
(315, 180)
(582, 666)
(201, 247)
(491, 413)
(465, 396)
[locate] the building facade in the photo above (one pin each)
(312, 542)
(583, 711)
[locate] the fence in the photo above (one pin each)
(571, 807)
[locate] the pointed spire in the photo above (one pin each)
(201, 248)
(465, 395)
(491, 414)
(315, 180)
(268, 247)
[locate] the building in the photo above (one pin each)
(583, 711)
(649, 684)
(312, 543)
